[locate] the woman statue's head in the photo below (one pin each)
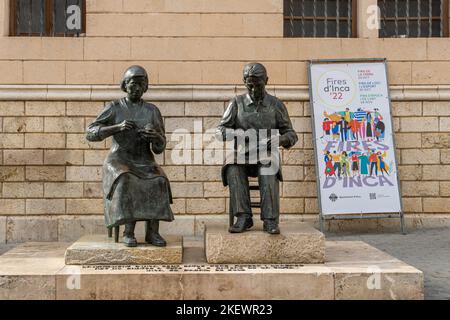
(135, 82)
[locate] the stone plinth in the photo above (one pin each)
(298, 243)
(28, 271)
(352, 270)
(101, 250)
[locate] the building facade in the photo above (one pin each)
(55, 79)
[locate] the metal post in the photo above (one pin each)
(349, 15)
(337, 18)
(303, 18)
(18, 7)
(314, 19)
(384, 18)
(441, 27)
(41, 22)
(419, 15)
(407, 18)
(291, 19)
(53, 18)
(396, 18)
(65, 17)
(30, 18)
(326, 18)
(430, 18)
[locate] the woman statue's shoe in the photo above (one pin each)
(152, 235)
(129, 239)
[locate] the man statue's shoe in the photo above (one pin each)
(129, 241)
(152, 235)
(243, 223)
(271, 226)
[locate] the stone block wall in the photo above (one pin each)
(50, 176)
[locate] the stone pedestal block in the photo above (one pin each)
(101, 250)
(298, 243)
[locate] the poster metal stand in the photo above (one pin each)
(351, 216)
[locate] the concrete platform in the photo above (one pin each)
(298, 243)
(101, 250)
(352, 270)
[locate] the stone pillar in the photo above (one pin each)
(367, 19)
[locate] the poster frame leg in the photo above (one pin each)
(402, 223)
(321, 222)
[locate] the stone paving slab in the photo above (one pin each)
(425, 249)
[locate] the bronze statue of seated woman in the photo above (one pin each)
(135, 188)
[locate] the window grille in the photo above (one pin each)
(47, 17)
(320, 18)
(413, 18)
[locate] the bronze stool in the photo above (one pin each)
(116, 233)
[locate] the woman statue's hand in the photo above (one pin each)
(126, 125)
(151, 135)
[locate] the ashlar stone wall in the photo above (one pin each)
(50, 176)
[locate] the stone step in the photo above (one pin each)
(352, 270)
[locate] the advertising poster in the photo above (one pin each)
(353, 135)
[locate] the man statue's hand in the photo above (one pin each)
(277, 142)
(284, 141)
(273, 142)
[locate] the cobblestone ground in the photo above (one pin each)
(427, 250)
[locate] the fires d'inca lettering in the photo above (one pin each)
(357, 182)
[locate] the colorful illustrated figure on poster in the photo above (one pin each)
(361, 126)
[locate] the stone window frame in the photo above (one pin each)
(351, 17)
(49, 21)
(363, 13)
(412, 22)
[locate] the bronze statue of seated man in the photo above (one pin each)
(256, 111)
